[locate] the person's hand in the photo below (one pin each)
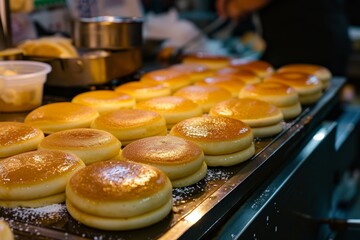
(238, 8)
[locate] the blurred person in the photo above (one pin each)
(298, 31)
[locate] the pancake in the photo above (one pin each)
(281, 95)
(210, 60)
(34, 203)
(204, 96)
(90, 145)
(171, 78)
(5, 231)
(256, 113)
(308, 86)
(119, 195)
(105, 100)
(215, 134)
(322, 73)
(173, 109)
(131, 124)
(178, 158)
(16, 137)
(36, 176)
(143, 90)
(244, 75)
(60, 116)
(229, 83)
(261, 68)
(197, 72)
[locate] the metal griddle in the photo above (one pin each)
(201, 208)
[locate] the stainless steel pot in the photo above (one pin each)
(108, 32)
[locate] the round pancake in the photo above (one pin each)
(278, 94)
(231, 159)
(267, 131)
(320, 72)
(304, 84)
(260, 68)
(34, 203)
(254, 112)
(175, 156)
(105, 100)
(5, 231)
(118, 189)
(131, 124)
(191, 179)
(196, 71)
(210, 60)
(246, 76)
(90, 145)
(227, 82)
(36, 174)
(16, 137)
(168, 77)
(173, 109)
(118, 224)
(205, 96)
(143, 90)
(292, 111)
(215, 134)
(60, 116)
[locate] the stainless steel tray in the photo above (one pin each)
(198, 209)
(91, 68)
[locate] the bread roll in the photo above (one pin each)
(16, 137)
(181, 160)
(119, 195)
(36, 178)
(105, 100)
(173, 109)
(90, 145)
(60, 116)
(204, 96)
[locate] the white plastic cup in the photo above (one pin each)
(21, 85)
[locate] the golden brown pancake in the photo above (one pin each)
(16, 137)
(178, 158)
(256, 113)
(261, 68)
(246, 76)
(90, 145)
(36, 175)
(60, 116)
(205, 96)
(196, 71)
(322, 73)
(5, 231)
(281, 95)
(144, 90)
(212, 61)
(169, 77)
(119, 195)
(131, 124)
(229, 83)
(173, 109)
(308, 86)
(105, 100)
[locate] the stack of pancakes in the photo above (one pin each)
(36, 178)
(119, 195)
(264, 118)
(225, 141)
(180, 159)
(144, 90)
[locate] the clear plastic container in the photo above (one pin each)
(21, 85)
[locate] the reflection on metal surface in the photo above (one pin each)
(319, 136)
